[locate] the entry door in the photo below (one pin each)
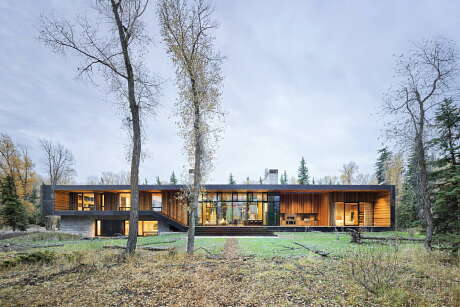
(351, 214)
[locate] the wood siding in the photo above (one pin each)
(173, 207)
(382, 210)
(111, 201)
(145, 201)
(323, 216)
(292, 203)
(61, 201)
(380, 200)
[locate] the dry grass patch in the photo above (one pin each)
(158, 279)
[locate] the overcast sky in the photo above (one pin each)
(302, 78)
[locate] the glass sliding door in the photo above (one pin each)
(235, 209)
(209, 214)
(351, 214)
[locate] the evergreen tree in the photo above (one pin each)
(384, 156)
(313, 180)
(284, 178)
(248, 181)
(260, 180)
(446, 174)
(231, 180)
(12, 210)
(158, 180)
(303, 177)
(173, 179)
(407, 211)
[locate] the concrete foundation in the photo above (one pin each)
(81, 225)
(86, 225)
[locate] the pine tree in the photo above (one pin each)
(313, 180)
(284, 178)
(303, 177)
(173, 179)
(406, 212)
(231, 180)
(446, 176)
(260, 180)
(384, 156)
(158, 180)
(12, 211)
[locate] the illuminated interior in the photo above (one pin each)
(236, 209)
(125, 201)
(354, 214)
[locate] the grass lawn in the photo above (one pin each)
(263, 271)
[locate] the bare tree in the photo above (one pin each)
(109, 177)
(187, 30)
(116, 47)
(59, 162)
(424, 79)
(348, 173)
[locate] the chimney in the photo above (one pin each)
(271, 176)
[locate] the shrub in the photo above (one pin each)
(375, 269)
(33, 257)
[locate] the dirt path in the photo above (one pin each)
(231, 249)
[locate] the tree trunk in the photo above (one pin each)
(423, 180)
(196, 172)
(136, 138)
(135, 160)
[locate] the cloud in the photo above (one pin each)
(301, 79)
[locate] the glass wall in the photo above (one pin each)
(354, 214)
(237, 209)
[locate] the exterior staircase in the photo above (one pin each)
(257, 231)
(168, 220)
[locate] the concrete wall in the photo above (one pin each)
(163, 227)
(81, 225)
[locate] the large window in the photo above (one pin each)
(82, 201)
(354, 214)
(156, 202)
(144, 228)
(125, 201)
(233, 208)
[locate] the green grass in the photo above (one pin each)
(324, 241)
(280, 246)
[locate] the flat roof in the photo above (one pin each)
(229, 187)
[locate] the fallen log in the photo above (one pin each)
(159, 242)
(392, 238)
(149, 248)
(315, 251)
(158, 248)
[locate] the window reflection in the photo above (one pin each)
(235, 209)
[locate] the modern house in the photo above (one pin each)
(103, 210)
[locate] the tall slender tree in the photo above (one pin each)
(425, 76)
(173, 179)
(384, 156)
(231, 179)
(302, 175)
(188, 29)
(446, 175)
(284, 178)
(115, 45)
